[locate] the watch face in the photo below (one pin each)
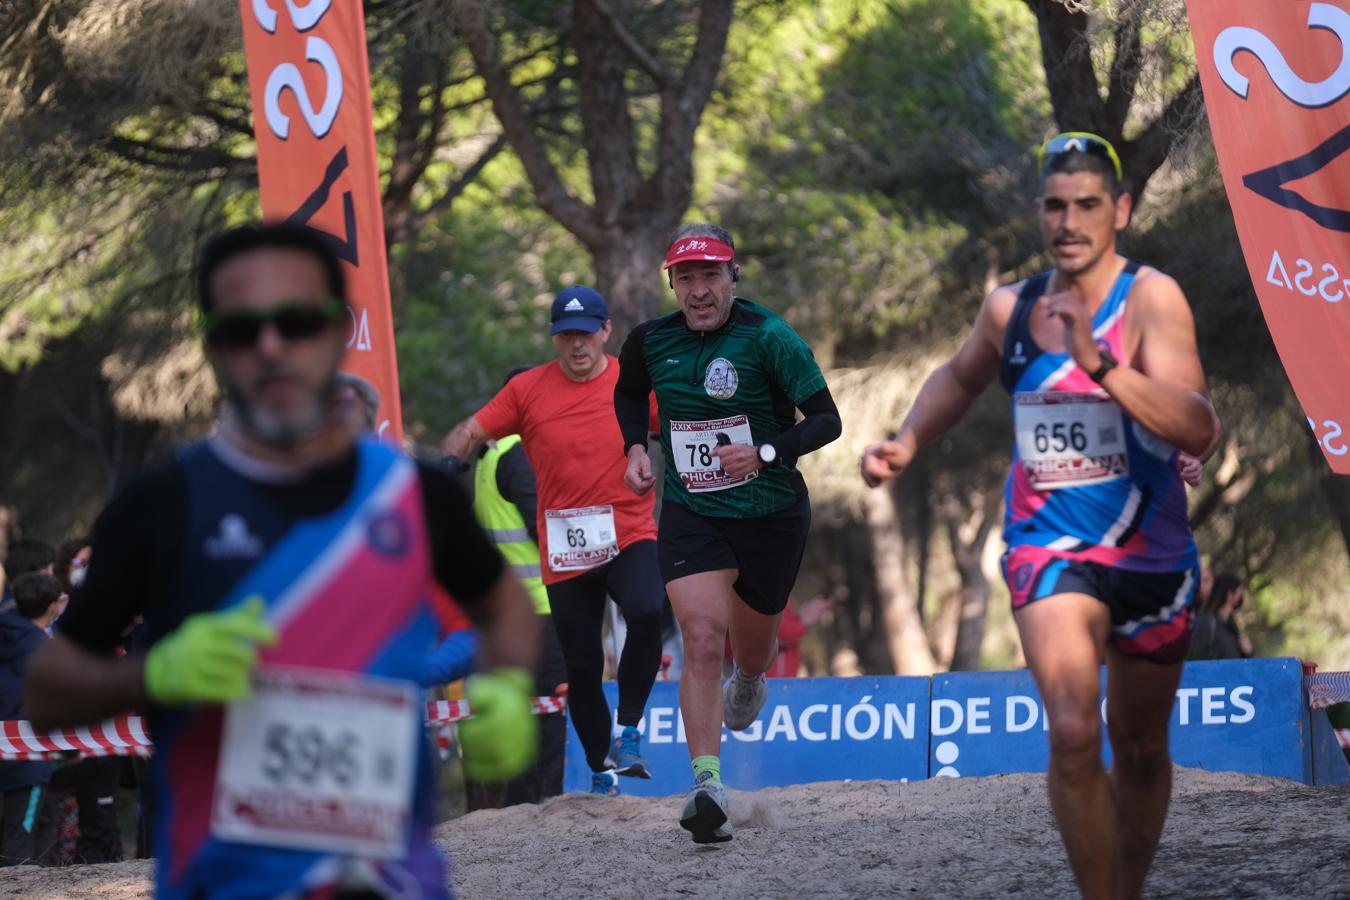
(767, 453)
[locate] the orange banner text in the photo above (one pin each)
(310, 83)
(1275, 77)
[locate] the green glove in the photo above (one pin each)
(209, 658)
(501, 738)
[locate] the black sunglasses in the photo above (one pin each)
(294, 321)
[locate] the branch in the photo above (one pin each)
(645, 61)
(470, 18)
(1143, 156)
(469, 176)
(1067, 59)
(1126, 67)
(175, 159)
(671, 186)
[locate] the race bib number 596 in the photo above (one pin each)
(319, 760)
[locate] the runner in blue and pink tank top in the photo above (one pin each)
(1088, 484)
(1100, 360)
(281, 572)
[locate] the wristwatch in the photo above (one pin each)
(1108, 363)
(768, 454)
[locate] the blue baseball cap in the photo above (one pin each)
(579, 308)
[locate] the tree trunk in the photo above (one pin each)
(628, 274)
(968, 540)
(910, 653)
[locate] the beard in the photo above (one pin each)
(281, 432)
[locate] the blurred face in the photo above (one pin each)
(1079, 220)
(281, 383)
(704, 292)
(352, 408)
(78, 566)
(582, 353)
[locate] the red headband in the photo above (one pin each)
(698, 249)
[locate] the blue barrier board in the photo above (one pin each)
(811, 729)
(1229, 715)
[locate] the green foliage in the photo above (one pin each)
(872, 156)
(479, 285)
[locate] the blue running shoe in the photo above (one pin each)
(705, 811)
(626, 754)
(605, 783)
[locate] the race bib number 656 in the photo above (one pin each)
(1068, 440)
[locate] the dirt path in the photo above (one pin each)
(1227, 836)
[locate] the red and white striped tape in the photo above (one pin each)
(128, 736)
(123, 736)
(441, 712)
(1327, 689)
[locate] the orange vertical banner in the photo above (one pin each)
(309, 78)
(1276, 78)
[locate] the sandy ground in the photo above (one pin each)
(1227, 836)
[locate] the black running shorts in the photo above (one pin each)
(767, 550)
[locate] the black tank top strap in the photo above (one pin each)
(1019, 350)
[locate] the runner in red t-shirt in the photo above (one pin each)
(595, 537)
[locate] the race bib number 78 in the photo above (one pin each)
(692, 444)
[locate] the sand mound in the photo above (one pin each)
(1227, 836)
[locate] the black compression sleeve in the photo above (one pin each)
(631, 391)
(466, 563)
(516, 482)
(820, 425)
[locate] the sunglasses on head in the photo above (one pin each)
(294, 321)
(1078, 142)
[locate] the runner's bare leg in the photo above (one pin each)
(1139, 700)
(702, 605)
(1063, 637)
(754, 637)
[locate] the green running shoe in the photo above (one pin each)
(705, 811)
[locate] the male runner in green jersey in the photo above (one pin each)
(729, 377)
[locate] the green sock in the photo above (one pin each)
(710, 764)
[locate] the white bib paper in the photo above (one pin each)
(692, 444)
(319, 760)
(580, 538)
(1068, 440)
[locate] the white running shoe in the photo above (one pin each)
(743, 697)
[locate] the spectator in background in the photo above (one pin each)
(505, 501)
(359, 401)
(25, 822)
(71, 558)
(94, 781)
(25, 556)
(1217, 634)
